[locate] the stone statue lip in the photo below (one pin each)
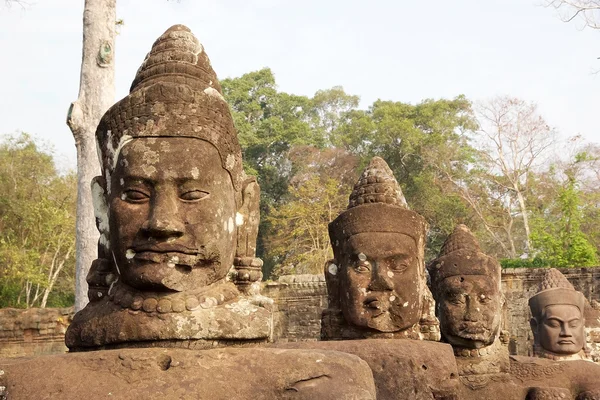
(473, 328)
(566, 341)
(175, 255)
(165, 248)
(375, 306)
(373, 302)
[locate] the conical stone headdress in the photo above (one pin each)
(377, 184)
(555, 289)
(175, 93)
(376, 205)
(461, 255)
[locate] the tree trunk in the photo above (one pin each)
(54, 276)
(96, 95)
(523, 207)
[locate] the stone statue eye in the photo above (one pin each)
(552, 323)
(193, 195)
(397, 265)
(574, 324)
(483, 299)
(456, 298)
(362, 266)
(135, 196)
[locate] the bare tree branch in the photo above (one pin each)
(587, 11)
(514, 140)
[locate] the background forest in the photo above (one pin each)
(529, 195)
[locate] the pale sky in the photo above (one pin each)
(390, 49)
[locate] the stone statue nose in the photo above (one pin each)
(380, 280)
(472, 313)
(164, 219)
(565, 331)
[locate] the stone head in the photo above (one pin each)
(172, 187)
(557, 316)
(378, 272)
(466, 288)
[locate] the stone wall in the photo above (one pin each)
(34, 331)
(298, 302)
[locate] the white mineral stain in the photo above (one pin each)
(129, 254)
(107, 174)
(242, 307)
(230, 160)
(151, 157)
(195, 173)
(405, 304)
(332, 269)
(165, 147)
(100, 207)
(104, 241)
(116, 266)
(149, 169)
(390, 274)
(115, 152)
(209, 302)
(239, 219)
(230, 225)
(122, 181)
(224, 225)
(392, 298)
(363, 291)
(172, 261)
(213, 92)
(169, 173)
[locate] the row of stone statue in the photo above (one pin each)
(178, 220)
(377, 283)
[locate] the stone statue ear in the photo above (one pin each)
(247, 268)
(247, 218)
(332, 270)
(100, 202)
(534, 326)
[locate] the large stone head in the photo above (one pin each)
(466, 287)
(172, 186)
(557, 316)
(378, 273)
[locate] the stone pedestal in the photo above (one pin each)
(218, 374)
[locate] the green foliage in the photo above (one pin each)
(424, 144)
(524, 263)
(37, 220)
(270, 124)
(299, 227)
(557, 230)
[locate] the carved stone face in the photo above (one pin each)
(171, 214)
(379, 281)
(469, 310)
(561, 329)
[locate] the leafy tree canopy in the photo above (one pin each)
(37, 226)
